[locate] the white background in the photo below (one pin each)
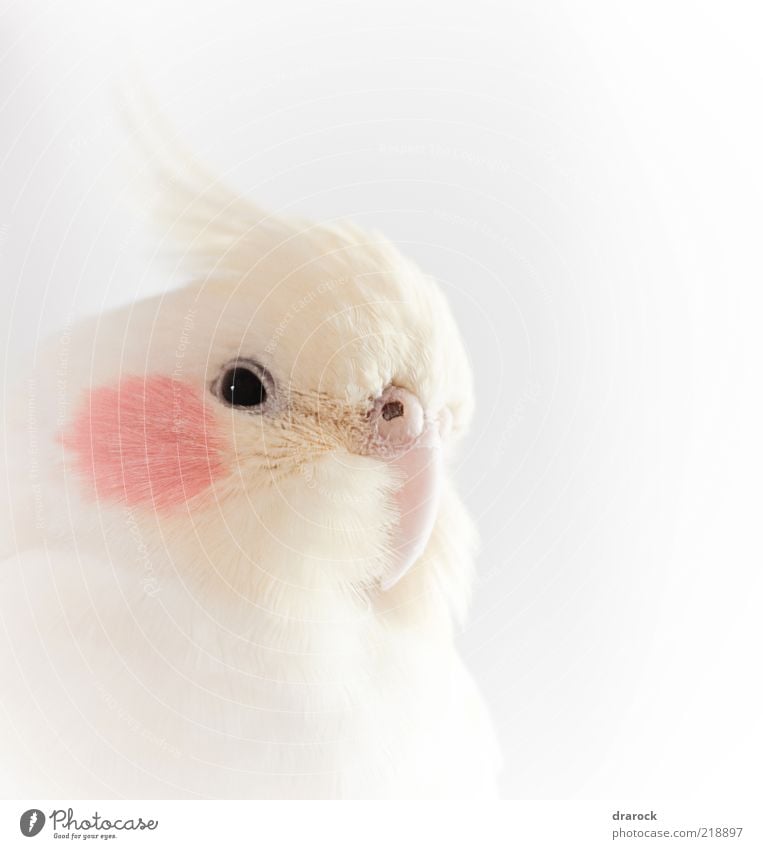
(586, 182)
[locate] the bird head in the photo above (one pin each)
(291, 407)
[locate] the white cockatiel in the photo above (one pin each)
(233, 553)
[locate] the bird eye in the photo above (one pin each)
(244, 385)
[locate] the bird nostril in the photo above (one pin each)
(392, 410)
(397, 419)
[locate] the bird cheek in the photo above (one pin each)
(150, 441)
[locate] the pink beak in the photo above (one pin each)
(403, 436)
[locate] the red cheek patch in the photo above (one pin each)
(148, 442)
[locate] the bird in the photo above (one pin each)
(235, 560)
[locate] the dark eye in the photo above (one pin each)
(242, 385)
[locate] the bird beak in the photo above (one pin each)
(410, 441)
(420, 470)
